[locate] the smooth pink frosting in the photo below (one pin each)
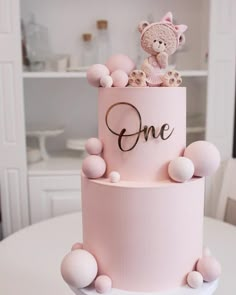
(157, 106)
(145, 237)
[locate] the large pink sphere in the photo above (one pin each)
(205, 157)
(93, 146)
(103, 284)
(120, 62)
(95, 73)
(94, 166)
(209, 268)
(120, 78)
(79, 268)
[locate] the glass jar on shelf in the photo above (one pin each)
(103, 44)
(37, 44)
(88, 50)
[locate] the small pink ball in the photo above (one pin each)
(194, 279)
(103, 284)
(120, 78)
(209, 267)
(181, 169)
(95, 73)
(77, 246)
(94, 166)
(93, 146)
(120, 62)
(106, 81)
(79, 268)
(205, 157)
(114, 176)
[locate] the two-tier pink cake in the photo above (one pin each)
(142, 189)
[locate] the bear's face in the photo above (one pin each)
(159, 38)
(163, 36)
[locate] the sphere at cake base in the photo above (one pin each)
(103, 284)
(195, 279)
(77, 246)
(209, 267)
(205, 157)
(79, 268)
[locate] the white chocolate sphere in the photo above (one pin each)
(181, 169)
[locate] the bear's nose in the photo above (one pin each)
(160, 42)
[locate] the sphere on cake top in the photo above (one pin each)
(159, 40)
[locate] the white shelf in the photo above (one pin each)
(54, 74)
(58, 164)
(184, 73)
(194, 73)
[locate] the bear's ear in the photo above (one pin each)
(168, 17)
(142, 25)
(181, 40)
(181, 28)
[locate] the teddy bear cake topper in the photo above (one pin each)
(159, 40)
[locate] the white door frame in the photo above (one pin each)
(13, 169)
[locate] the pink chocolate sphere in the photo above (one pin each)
(93, 146)
(103, 284)
(77, 246)
(94, 166)
(120, 62)
(209, 268)
(120, 78)
(79, 268)
(95, 73)
(205, 157)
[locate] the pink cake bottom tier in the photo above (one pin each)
(146, 237)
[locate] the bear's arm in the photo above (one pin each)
(147, 67)
(162, 59)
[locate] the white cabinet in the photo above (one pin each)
(53, 195)
(64, 99)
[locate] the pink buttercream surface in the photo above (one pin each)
(149, 159)
(146, 238)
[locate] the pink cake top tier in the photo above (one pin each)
(142, 130)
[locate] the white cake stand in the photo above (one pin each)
(42, 135)
(206, 289)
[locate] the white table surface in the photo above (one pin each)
(30, 259)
